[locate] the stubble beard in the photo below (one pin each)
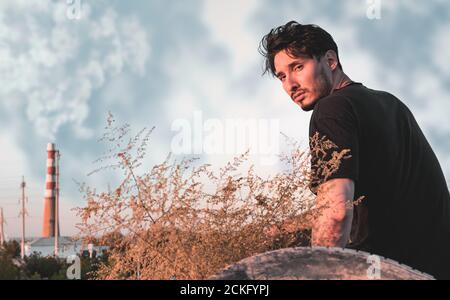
(323, 89)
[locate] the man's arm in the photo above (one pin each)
(335, 202)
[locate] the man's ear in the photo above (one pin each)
(331, 59)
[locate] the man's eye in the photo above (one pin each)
(282, 78)
(298, 68)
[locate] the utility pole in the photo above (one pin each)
(2, 233)
(57, 156)
(23, 213)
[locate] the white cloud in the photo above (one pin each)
(433, 96)
(441, 49)
(417, 8)
(432, 113)
(52, 64)
(230, 25)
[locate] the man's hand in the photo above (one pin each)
(335, 204)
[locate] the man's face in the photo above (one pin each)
(305, 79)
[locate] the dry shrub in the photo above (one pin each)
(169, 222)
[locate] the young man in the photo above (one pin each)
(405, 214)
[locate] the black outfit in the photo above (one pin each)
(405, 215)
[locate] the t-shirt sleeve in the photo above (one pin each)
(336, 123)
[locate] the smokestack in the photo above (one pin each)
(48, 228)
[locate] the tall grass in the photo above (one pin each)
(168, 222)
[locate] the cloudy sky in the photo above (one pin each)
(65, 64)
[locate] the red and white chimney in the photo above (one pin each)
(48, 228)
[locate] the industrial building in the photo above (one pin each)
(51, 243)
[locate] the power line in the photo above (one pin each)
(23, 213)
(2, 222)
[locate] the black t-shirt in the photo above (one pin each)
(405, 214)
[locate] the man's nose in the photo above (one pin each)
(293, 84)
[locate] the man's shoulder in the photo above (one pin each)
(348, 102)
(333, 106)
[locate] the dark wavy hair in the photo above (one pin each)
(299, 40)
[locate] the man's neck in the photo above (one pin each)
(340, 81)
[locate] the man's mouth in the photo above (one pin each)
(299, 97)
